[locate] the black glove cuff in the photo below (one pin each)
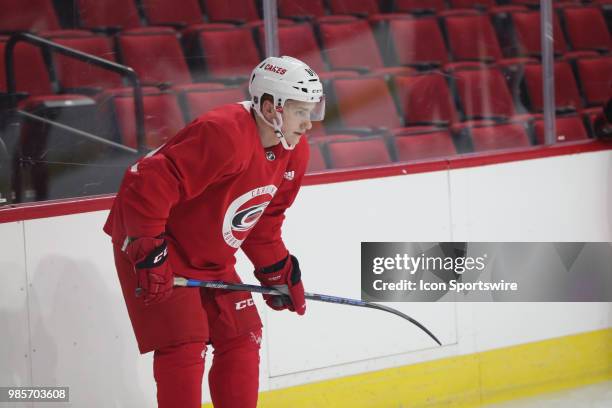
(274, 267)
(296, 274)
(155, 258)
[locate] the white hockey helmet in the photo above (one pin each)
(286, 78)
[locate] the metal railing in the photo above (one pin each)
(123, 70)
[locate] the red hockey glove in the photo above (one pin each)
(153, 273)
(286, 277)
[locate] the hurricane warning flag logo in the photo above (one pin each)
(244, 212)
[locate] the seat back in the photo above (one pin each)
(220, 56)
(411, 6)
(423, 146)
(367, 151)
(108, 13)
(300, 8)
(527, 31)
(163, 117)
(483, 93)
(505, 136)
(156, 55)
(407, 37)
(31, 74)
(198, 102)
(160, 12)
(350, 44)
(231, 10)
(472, 37)
(457, 4)
(586, 28)
(365, 102)
(316, 161)
(568, 129)
(425, 98)
(566, 89)
(354, 7)
(31, 15)
(595, 76)
(73, 73)
(298, 40)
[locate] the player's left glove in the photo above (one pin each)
(286, 277)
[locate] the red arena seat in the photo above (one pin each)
(31, 73)
(586, 28)
(156, 56)
(358, 152)
(219, 52)
(472, 38)
(566, 89)
(419, 6)
(73, 73)
(528, 41)
(163, 116)
(298, 40)
(359, 7)
(406, 36)
(31, 15)
(351, 45)
(231, 11)
(505, 136)
(365, 102)
(184, 12)
(198, 102)
(316, 162)
(569, 128)
(472, 3)
(300, 8)
(425, 98)
(483, 93)
(595, 75)
(421, 146)
(116, 14)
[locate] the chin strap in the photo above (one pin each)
(276, 124)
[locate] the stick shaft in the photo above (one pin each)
(179, 281)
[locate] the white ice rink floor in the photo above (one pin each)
(592, 396)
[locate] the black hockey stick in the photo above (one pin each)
(178, 281)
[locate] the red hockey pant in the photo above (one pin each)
(178, 330)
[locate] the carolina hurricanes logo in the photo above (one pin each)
(245, 219)
(244, 212)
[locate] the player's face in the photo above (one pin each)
(296, 120)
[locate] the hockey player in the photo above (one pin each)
(222, 183)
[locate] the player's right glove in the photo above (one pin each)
(286, 277)
(154, 275)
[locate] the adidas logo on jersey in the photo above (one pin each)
(289, 175)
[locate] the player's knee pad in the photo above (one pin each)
(178, 372)
(175, 364)
(250, 341)
(234, 376)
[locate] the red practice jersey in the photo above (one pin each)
(212, 188)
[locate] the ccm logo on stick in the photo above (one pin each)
(244, 303)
